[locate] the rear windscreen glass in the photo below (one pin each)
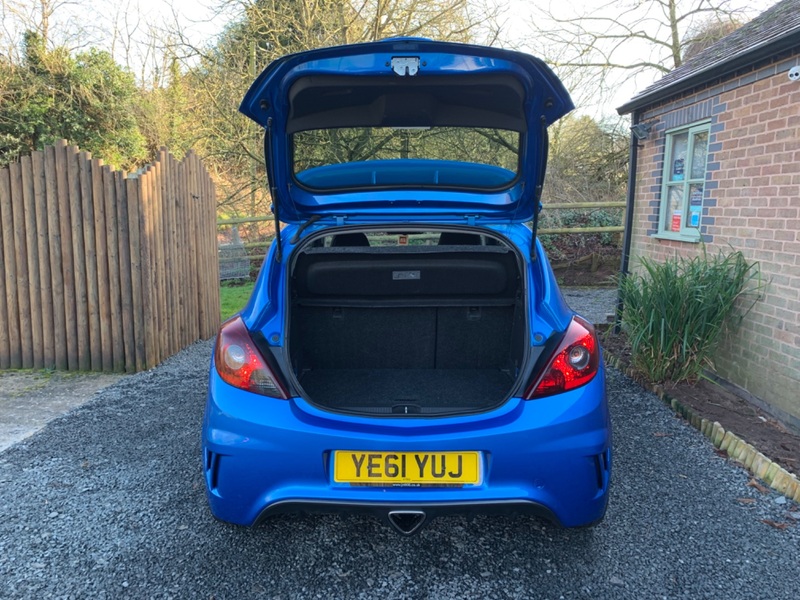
(451, 157)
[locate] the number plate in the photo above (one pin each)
(407, 467)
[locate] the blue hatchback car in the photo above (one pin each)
(406, 351)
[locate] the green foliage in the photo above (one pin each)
(87, 99)
(676, 312)
(565, 246)
(165, 114)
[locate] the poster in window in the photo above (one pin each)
(676, 220)
(678, 166)
(696, 197)
(694, 217)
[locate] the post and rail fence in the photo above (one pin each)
(103, 270)
(541, 231)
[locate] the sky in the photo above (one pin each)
(518, 21)
(200, 23)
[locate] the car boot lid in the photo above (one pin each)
(407, 85)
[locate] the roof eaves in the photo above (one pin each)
(753, 55)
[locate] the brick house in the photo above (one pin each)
(715, 158)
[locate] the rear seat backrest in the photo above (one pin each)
(350, 240)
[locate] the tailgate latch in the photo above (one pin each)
(405, 65)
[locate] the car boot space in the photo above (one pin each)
(407, 331)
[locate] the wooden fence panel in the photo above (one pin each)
(103, 270)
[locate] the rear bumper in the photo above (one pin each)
(548, 457)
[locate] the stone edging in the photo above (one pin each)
(771, 473)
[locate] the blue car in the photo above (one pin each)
(406, 351)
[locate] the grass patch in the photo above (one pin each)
(233, 296)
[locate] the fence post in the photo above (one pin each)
(103, 294)
(4, 341)
(56, 259)
(33, 293)
(67, 256)
(198, 310)
(45, 299)
(160, 266)
(212, 249)
(22, 283)
(11, 304)
(112, 248)
(133, 186)
(79, 253)
(125, 273)
(90, 260)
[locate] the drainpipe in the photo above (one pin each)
(626, 244)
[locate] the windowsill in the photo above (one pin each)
(679, 237)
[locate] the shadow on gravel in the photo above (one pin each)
(108, 502)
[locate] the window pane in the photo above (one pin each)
(677, 166)
(695, 205)
(674, 213)
(699, 155)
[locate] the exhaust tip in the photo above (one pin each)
(407, 522)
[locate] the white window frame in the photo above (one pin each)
(686, 233)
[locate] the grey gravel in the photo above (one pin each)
(108, 502)
(596, 304)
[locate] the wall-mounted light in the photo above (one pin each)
(641, 130)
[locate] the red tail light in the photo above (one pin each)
(240, 364)
(573, 364)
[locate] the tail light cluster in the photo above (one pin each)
(573, 364)
(240, 364)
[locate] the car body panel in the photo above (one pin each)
(273, 451)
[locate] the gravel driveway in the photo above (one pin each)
(108, 502)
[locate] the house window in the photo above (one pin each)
(684, 182)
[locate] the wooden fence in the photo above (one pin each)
(104, 271)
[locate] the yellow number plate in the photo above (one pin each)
(407, 467)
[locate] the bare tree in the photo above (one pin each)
(57, 22)
(632, 36)
(217, 76)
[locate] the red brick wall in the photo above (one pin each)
(752, 203)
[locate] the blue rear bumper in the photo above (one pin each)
(550, 456)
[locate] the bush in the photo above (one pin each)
(675, 312)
